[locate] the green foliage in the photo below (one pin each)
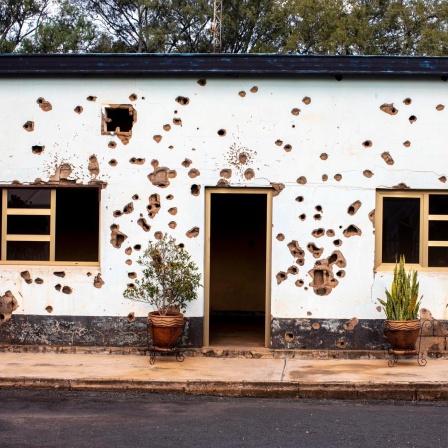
(402, 301)
(169, 278)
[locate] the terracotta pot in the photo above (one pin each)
(402, 334)
(165, 331)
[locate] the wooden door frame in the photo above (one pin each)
(238, 190)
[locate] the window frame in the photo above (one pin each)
(51, 237)
(425, 217)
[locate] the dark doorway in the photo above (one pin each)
(237, 269)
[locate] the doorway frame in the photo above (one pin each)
(268, 192)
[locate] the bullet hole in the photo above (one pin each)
(181, 245)
(98, 282)
(226, 173)
(315, 251)
(170, 197)
(175, 112)
(279, 142)
(158, 235)
(112, 145)
(318, 208)
(91, 98)
(128, 250)
(113, 162)
(299, 283)
(317, 216)
(442, 179)
(324, 156)
(337, 243)
(183, 100)
(117, 213)
(195, 190)
(249, 174)
(302, 217)
(133, 97)
(130, 286)
(128, 208)
(337, 177)
(297, 252)
(367, 143)
(401, 186)
(389, 109)
(166, 127)
(287, 148)
(137, 247)
(306, 100)
(242, 157)
(378, 308)
(254, 89)
(341, 273)
(315, 325)
(67, 290)
(317, 233)
(26, 276)
(117, 238)
(172, 211)
(172, 224)
(330, 233)
(38, 281)
(78, 109)
(186, 163)
(278, 188)
(194, 173)
(44, 104)
(37, 149)
(353, 208)
(49, 309)
(157, 138)
(299, 198)
(306, 288)
(293, 126)
(301, 180)
(289, 336)
(280, 237)
(440, 107)
(93, 167)
(407, 101)
(143, 224)
(154, 163)
(59, 274)
(367, 173)
(412, 119)
(202, 82)
(352, 230)
(293, 270)
(130, 317)
(58, 287)
(29, 126)
(223, 183)
(407, 143)
(160, 176)
(128, 262)
(341, 343)
(281, 277)
(242, 93)
(132, 275)
(371, 216)
(295, 111)
(387, 158)
(193, 232)
(136, 161)
(222, 132)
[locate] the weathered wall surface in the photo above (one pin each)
(325, 145)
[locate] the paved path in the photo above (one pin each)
(229, 376)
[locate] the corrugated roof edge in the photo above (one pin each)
(218, 64)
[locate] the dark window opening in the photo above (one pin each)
(119, 119)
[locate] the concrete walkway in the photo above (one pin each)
(293, 378)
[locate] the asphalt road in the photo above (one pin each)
(100, 419)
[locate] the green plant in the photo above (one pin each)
(169, 278)
(402, 301)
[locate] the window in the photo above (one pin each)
(118, 118)
(413, 223)
(49, 225)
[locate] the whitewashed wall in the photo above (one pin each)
(339, 118)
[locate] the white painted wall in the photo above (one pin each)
(339, 118)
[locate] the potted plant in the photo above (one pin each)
(401, 306)
(169, 281)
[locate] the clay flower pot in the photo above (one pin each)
(402, 334)
(165, 330)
